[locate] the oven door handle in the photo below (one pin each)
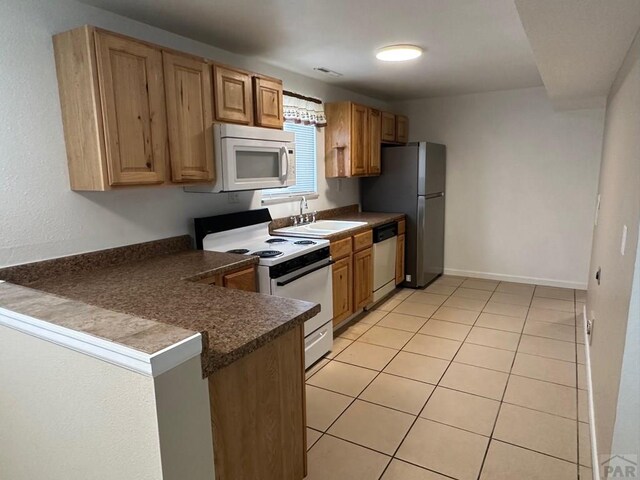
(297, 277)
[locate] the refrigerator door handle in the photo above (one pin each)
(420, 240)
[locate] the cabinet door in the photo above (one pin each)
(400, 259)
(388, 127)
(189, 117)
(363, 278)
(402, 129)
(268, 99)
(359, 139)
(232, 95)
(241, 280)
(342, 290)
(373, 168)
(133, 109)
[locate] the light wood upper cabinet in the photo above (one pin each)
(388, 127)
(189, 117)
(133, 108)
(352, 140)
(359, 140)
(267, 94)
(373, 167)
(232, 95)
(363, 278)
(137, 114)
(402, 129)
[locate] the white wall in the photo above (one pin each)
(41, 218)
(610, 304)
(65, 415)
(521, 183)
(626, 431)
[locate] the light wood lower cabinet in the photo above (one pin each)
(241, 279)
(400, 248)
(258, 413)
(342, 289)
(362, 278)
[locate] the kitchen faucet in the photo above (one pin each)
(303, 201)
(302, 218)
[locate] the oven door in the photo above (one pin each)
(249, 164)
(313, 283)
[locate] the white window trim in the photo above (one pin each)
(294, 197)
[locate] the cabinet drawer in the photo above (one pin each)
(402, 226)
(341, 248)
(362, 240)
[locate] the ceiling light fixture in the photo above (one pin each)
(398, 53)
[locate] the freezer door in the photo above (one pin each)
(432, 168)
(430, 231)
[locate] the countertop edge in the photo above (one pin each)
(257, 343)
(148, 364)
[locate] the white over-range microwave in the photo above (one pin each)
(251, 158)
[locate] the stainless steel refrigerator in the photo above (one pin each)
(413, 182)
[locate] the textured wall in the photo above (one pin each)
(41, 218)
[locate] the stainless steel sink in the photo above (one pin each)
(319, 229)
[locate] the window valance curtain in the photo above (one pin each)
(305, 110)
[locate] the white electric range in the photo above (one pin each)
(298, 268)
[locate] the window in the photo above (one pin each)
(306, 164)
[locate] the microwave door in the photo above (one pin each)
(254, 164)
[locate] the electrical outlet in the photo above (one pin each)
(407, 278)
(233, 197)
(623, 242)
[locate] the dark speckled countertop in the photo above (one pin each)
(154, 302)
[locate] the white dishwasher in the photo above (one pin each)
(385, 239)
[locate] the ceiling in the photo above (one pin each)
(471, 45)
(579, 45)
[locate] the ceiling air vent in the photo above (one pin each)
(326, 71)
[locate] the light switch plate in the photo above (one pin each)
(623, 242)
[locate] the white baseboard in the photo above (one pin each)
(516, 279)
(592, 423)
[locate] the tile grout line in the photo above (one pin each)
(432, 392)
(504, 392)
(367, 386)
(438, 384)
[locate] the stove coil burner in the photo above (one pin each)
(241, 251)
(305, 242)
(267, 253)
(277, 240)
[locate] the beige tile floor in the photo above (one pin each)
(468, 379)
